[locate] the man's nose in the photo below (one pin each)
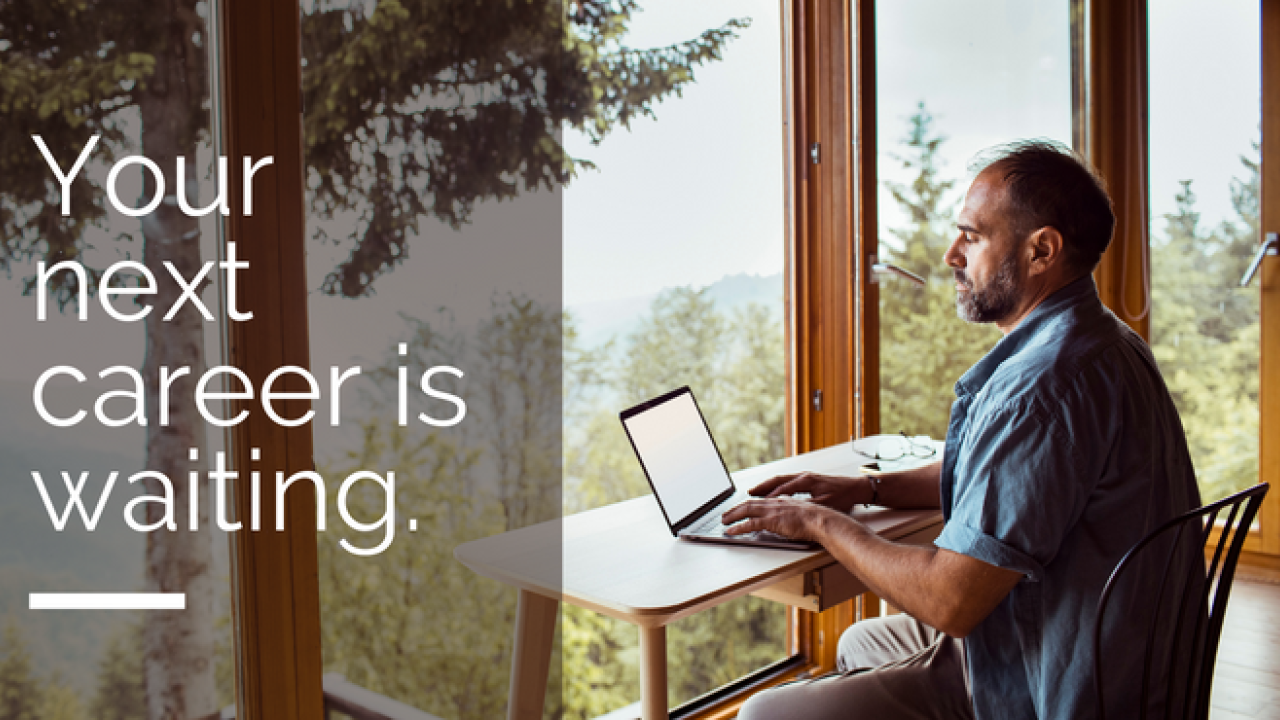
(953, 257)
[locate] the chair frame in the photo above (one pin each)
(1243, 508)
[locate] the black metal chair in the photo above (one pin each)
(1181, 641)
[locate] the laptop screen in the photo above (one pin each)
(679, 455)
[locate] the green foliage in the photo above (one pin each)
(19, 688)
(924, 346)
(412, 623)
(422, 108)
(1205, 333)
(121, 692)
(24, 696)
(736, 365)
(426, 107)
(59, 701)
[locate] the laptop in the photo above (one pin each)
(687, 473)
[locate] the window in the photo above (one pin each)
(130, 451)
(952, 80)
(1204, 189)
(675, 248)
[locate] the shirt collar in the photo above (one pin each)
(1078, 292)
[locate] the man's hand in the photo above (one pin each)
(797, 519)
(839, 493)
(943, 589)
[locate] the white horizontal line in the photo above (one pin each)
(107, 601)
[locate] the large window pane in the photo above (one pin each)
(137, 76)
(674, 252)
(952, 79)
(435, 173)
(1205, 112)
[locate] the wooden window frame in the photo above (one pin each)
(276, 603)
(1263, 548)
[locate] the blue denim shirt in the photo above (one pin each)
(1063, 450)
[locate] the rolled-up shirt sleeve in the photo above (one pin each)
(1019, 486)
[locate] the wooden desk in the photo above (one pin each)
(622, 561)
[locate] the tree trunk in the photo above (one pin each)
(178, 646)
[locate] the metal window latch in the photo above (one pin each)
(879, 268)
(1270, 246)
(817, 401)
(815, 153)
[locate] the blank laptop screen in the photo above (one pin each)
(679, 456)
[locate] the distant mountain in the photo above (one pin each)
(597, 322)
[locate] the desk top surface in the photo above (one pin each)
(621, 560)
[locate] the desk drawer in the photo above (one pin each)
(831, 585)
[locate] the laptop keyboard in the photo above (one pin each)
(710, 525)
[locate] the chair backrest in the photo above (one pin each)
(1184, 618)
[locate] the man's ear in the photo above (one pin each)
(1046, 251)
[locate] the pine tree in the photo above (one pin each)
(735, 363)
(1205, 332)
(59, 701)
(121, 694)
(924, 346)
(20, 691)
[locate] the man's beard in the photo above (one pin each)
(994, 301)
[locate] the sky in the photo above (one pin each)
(701, 183)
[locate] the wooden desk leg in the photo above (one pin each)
(531, 655)
(653, 673)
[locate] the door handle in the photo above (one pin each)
(1270, 246)
(879, 268)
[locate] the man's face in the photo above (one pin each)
(989, 276)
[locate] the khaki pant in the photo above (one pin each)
(892, 668)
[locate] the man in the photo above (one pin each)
(1063, 450)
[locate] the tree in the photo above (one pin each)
(924, 346)
(1205, 333)
(411, 622)
(121, 693)
(20, 695)
(736, 364)
(59, 701)
(421, 108)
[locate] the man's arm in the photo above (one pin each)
(946, 590)
(915, 488)
(943, 589)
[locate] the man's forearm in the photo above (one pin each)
(908, 489)
(947, 591)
